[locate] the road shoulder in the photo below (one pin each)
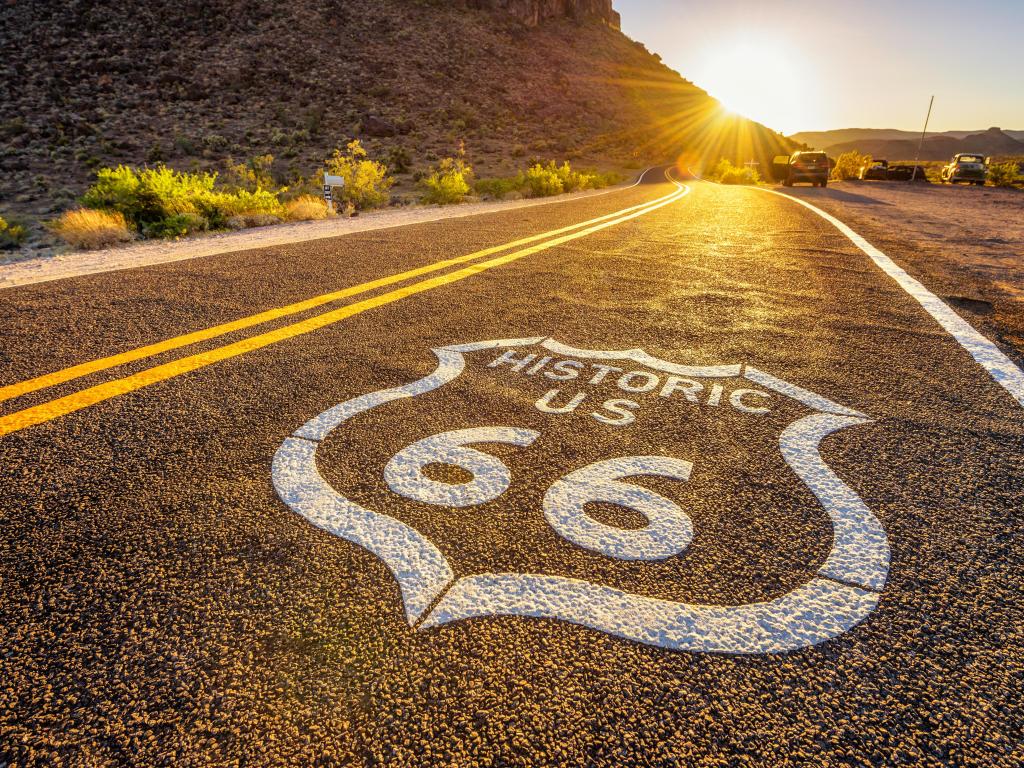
(963, 243)
(75, 263)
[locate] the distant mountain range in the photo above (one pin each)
(894, 144)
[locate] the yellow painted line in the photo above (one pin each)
(101, 364)
(83, 399)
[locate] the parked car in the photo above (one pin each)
(968, 167)
(811, 167)
(877, 170)
(905, 172)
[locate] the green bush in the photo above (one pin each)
(447, 183)
(255, 173)
(498, 188)
(161, 202)
(727, 173)
(848, 165)
(1004, 174)
(178, 225)
(545, 180)
(184, 144)
(11, 235)
(246, 203)
(367, 183)
(399, 160)
(215, 142)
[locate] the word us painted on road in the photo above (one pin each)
(550, 422)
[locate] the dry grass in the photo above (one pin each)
(307, 208)
(90, 228)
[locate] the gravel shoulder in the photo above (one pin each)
(965, 243)
(68, 263)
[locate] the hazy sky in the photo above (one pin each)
(813, 65)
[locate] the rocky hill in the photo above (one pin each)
(533, 12)
(196, 83)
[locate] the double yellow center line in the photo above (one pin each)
(90, 396)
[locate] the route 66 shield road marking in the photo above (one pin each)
(843, 592)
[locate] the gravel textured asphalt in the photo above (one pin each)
(163, 603)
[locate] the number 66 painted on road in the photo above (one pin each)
(668, 531)
(844, 590)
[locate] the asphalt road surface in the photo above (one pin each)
(676, 475)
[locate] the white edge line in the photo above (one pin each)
(1002, 370)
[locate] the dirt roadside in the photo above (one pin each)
(965, 243)
(68, 263)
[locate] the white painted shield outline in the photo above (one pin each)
(843, 593)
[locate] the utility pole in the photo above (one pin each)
(913, 176)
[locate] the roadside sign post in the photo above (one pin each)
(330, 182)
(920, 144)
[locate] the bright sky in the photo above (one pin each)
(800, 65)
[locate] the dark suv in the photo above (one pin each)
(811, 167)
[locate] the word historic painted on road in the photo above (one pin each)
(610, 391)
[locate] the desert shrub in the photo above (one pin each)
(553, 179)
(933, 171)
(178, 225)
(848, 165)
(214, 141)
(307, 208)
(314, 118)
(399, 160)
(11, 235)
(448, 182)
(727, 173)
(184, 144)
(543, 181)
(261, 202)
(1004, 174)
(540, 180)
(254, 173)
(599, 180)
(161, 202)
(367, 182)
(150, 195)
(498, 188)
(10, 129)
(87, 228)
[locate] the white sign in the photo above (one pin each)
(334, 181)
(843, 592)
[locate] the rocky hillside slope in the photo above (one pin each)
(195, 83)
(533, 12)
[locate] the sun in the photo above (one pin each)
(759, 80)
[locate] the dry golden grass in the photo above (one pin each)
(90, 228)
(306, 208)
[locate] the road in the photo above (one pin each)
(676, 475)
